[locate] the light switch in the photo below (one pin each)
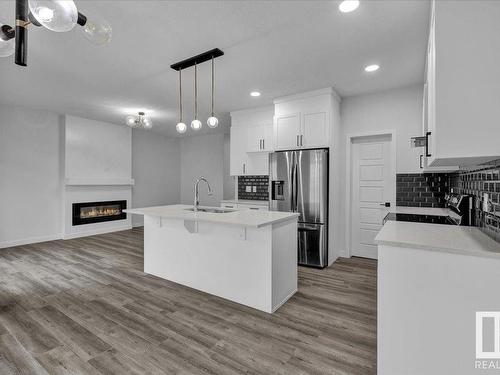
(248, 189)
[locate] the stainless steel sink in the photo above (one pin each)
(212, 210)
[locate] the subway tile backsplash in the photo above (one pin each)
(253, 188)
(477, 182)
(422, 189)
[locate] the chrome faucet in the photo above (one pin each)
(196, 193)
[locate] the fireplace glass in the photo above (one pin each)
(96, 212)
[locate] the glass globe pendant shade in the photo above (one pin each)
(181, 127)
(130, 121)
(98, 33)
(6, 45)
(196, 124)
(212, 122)
(147, 123)
(55, 15)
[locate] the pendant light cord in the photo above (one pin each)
(180, 95)
(213, 86)
(195, 91)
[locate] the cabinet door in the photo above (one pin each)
(315, 129)
(287, 131)
(238, 155)
(255, 135)
(267, 138)
(257, 164)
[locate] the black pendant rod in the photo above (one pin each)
(22, 22)
(198, 59)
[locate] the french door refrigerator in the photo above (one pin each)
(299, 183)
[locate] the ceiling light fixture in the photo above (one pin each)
(347, 6)
(212, 121)
(255, 94)
(55, 15)
(139, 121)
(372, 68)
(180, 127)
(196, 124)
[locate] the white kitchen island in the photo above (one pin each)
(245, 256)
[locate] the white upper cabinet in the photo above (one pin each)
(251, 141)
(305, 120)
(287, 131)
(462, 76)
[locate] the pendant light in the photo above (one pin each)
(180, 127)
(196, 124)
(139, 121)
(212, 121)
(55, 15)
(7, 41)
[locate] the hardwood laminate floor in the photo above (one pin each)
(84, 306)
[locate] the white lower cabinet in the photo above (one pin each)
(247, 206)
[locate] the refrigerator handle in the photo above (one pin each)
(295, 187)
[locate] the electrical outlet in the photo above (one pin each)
(248, 189)
(254, 189)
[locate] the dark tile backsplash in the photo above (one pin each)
(422, 189)
(477, 181)
(258, 183)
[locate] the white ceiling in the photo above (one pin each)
(276, 47)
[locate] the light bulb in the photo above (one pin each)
(55, 15)
(130, 121)
(98, 33)
(6, 45)
(212, 122)
(181, 128)
(196, 124)
(148, 124)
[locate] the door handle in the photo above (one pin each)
(386, 204)
(421, 165)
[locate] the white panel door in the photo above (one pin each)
(371, 188)
(315, 130)
(287, 131)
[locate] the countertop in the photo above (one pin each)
(245, 201)
(436, 237)
(424, 211)
(246, 218)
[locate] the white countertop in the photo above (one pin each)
(438, 237)
(424, 211)
(246, 218)
(245, 201)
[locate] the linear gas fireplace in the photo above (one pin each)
(97, 212)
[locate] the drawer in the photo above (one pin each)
(259, 207)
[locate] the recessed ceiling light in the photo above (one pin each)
(255, 93)
(372, 68)
(347, 6)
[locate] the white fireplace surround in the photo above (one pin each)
(97, 167)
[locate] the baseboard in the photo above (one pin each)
(96, 232)
(136, 225)
(30, 240)
(284, 300)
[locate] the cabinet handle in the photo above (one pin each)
(421, 157)
(297, 140)
(301, 140)
(260, 144)
(263, 144)
(427, 144)
(243, 167)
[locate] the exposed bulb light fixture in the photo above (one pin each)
(55, 15)
(180, 127)
(196, 124)
(347, 6)
(139, 121)
(255, 94)
(212, 121)
(372, 68)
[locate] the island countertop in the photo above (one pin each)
(455, 239)
(246, 218)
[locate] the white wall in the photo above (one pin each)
(30, 176)
(202, 156)
(156, 171)
(399, 109)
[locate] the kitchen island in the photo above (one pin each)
(246, 256)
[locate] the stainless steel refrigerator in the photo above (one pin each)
(299, 183)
